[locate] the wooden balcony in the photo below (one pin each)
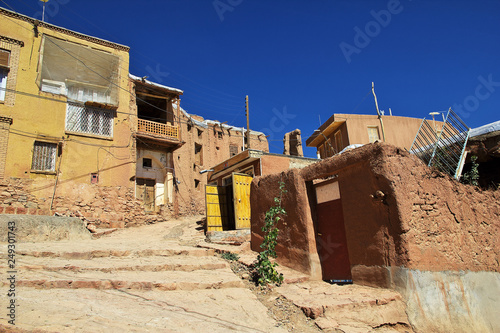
(154, 130)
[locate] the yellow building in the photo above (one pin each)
(65, 120)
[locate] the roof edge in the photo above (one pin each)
(53, 27)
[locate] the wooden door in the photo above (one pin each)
(241, 200)
(215, 198)
(331, 238)
(145, 191)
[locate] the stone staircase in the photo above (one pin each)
(129, 283)
(349, 308)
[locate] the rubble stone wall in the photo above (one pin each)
(106, 207)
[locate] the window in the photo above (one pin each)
(200, 132)
(373, 134)
(147, 163)
(89, 120)
(197, 184)
(94, 178)
(338, 141)
(219, 134)
(233, 150)
(3, 83)
(4, 72)
(44, 156)
(198, 154)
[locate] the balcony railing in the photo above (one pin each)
(158, 129)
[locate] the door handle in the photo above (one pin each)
(320, 234)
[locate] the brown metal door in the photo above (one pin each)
(331, 238)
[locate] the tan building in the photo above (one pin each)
(342, 130)
(174, 148)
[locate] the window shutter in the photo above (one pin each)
(4, 58)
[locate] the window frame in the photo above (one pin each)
(369, 136)
(4, 75)
(45, 160)
(81, 120)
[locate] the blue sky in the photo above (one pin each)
(303, 60)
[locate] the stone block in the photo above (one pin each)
(22, 211)
(10, 210)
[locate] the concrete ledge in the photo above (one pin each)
(31, 228)
(442, 301)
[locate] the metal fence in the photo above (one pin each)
(442, 144)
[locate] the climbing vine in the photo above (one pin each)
(472, 176)
(265, 268)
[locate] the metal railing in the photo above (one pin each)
(443, 148)
(152, 127)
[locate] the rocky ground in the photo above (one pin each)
(165, 278)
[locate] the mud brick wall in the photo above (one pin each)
(397, 213)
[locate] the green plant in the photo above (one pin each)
(265, 268)
(230, 256)
(472, 176)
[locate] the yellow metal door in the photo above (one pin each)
(215, 198)
(241, 198)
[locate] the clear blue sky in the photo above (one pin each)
(301, 60)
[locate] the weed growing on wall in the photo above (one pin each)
(472, 176)
(266, 270)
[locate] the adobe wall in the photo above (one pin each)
(399, 131)
(397, 211)
(191, 198)
(296, 246)
(408, 227)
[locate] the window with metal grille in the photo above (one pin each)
(44, 156)
(89, 120)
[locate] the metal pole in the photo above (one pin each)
(247, 111)
(378, 112)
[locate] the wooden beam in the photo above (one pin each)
(153, 96)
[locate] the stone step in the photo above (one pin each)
(135, 280)
(90, 310)
(111, 264)
(90, 254)
(349, 308)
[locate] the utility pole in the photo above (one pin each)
(247, 111)
(43, 10)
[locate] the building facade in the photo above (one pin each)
(67, 131)
(342, 130)
(81, 136)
